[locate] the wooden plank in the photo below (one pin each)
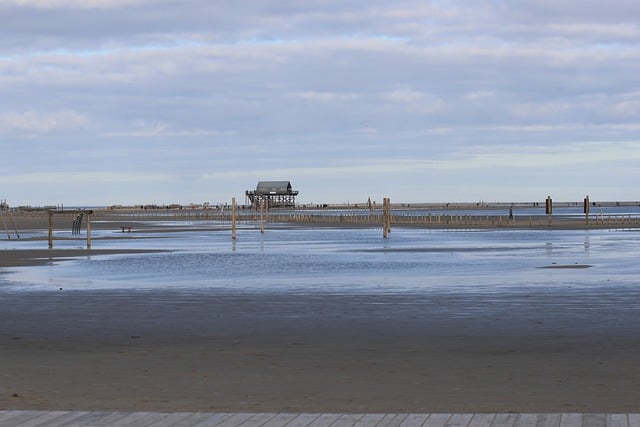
(369, 420)
(204, 419)
(481, 420)
(414, 420)
(16, 418)
(571, 420)
(176, 419)
(325, 420)
(617, 420)
(224, 419)
(279, 420)
(44, 418)
(459, 420)
(8, 414)
(594, 420)
(97, 418)
(526, 420)
(347, 420)
(390, 420)
(66, 419)
(231, 420)
(138, 419)
(634, 420)
(258, 419)
(303, 420)
(505, 420)
(437, 420)
(548, 420)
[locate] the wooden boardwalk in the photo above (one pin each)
(11, 418)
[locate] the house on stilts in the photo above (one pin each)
(274, 194)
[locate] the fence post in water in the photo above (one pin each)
(586, 210)
(50, 229)
(548, 207)
(89, 230)
(233, 218)
(262, 216)
(386, 217)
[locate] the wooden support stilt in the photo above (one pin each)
(262, 216)
(50, 229)
(89, 230)
(386, 217)
(586, 210)
(233, 218)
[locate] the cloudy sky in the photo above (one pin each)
(158, 101)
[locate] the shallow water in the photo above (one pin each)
(344, 261)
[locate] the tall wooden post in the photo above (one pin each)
(586, 210)
(262, 216)
(233, 218)
(88, 230)
(50, 229)
(549, 208)
(386, 217)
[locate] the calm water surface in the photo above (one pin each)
(308, 260)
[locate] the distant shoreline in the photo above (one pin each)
(335, 206)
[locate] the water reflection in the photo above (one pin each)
(349, 260)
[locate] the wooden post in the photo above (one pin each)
(262, 216)
(386, 217)
(88, 230)
(586, 210)
(50, 229)
(549, 208)
(233, 218)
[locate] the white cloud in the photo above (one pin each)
(49, 178)
(315, 96)
(488, 158)
(31, 122)
(406, 88)
(74, 4)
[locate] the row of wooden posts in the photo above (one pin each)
(76, 224)
(385, 219)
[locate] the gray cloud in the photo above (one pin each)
(229, 87)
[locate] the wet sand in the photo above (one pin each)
(177, 351)
(552, 350)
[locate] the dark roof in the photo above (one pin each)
(273, 187)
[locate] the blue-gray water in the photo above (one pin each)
(350, 261)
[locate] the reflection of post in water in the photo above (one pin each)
(549, 248)
(587, 242)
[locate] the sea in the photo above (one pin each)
(202, 256)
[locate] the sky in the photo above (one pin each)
(151, 101)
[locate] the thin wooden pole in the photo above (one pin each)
(50, 229)
(233, 218)
(262, 216)
(388, 215)
(88, 230)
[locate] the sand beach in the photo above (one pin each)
(553, 350)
